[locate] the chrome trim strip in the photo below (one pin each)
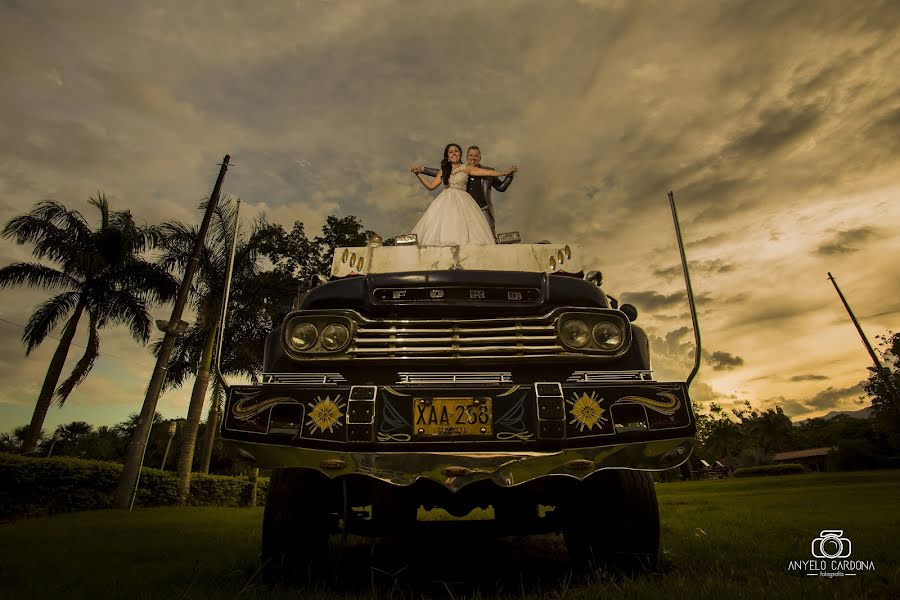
(303, 378)
(426, 378)
(590, 376)
(506, 469)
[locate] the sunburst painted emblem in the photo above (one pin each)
(586, 411)
(325, 413)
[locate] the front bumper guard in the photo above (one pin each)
(455, 470)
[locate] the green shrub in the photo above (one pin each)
(786, 469)
(857, 455)
(40, 486)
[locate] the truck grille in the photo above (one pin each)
(487, 338)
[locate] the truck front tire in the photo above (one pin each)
(612, 520)
(296, 522)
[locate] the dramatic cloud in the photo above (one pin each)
(774, 124)
(833, 397)
(703, 395)
(705, 267)
(651, 301)
(846, 242)
(809, 377)
(723, 361)
(792, 408)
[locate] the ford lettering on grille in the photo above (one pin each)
(457, 294)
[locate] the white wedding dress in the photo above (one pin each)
(454, 218)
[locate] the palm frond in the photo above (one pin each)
(84, 365)
(146, 280)
(135, 239)
(57, 214)
(176, 245)
(185, 357)
(103, 204)
(112, 307)
(46, 317)
(222, 225)
(35, 275)
(49, 240)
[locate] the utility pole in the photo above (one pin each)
(134, 459)
(882, 372)
(173, 427)
(56, 435)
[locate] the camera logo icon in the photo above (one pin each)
(830, 544)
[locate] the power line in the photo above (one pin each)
(77, 345)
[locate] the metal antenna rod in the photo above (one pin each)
(228, 272)
(690, 291)
(882, 372)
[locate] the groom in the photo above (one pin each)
(480, 187)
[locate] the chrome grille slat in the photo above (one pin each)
(452, 339)
(428, 330)
(469, 338)
(444, 349)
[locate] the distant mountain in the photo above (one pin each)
(862, 413)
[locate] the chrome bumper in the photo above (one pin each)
(456, 470)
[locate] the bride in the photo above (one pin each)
(454, 217)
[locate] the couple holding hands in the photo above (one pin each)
(463, 212)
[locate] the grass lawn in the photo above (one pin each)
(720, 539)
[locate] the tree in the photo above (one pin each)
(12, 442)
(772, 429)
(884, 400)
(346, 231)
(723, 437)
(249, 321)
(298, 258)
(101, 272)
(75, 439)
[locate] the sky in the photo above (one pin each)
(776, 124)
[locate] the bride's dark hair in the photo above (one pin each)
(445, 162)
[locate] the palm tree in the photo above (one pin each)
(101, 272)
(12, 442)
(772, 429)
(248, 319)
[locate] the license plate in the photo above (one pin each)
(453, 416)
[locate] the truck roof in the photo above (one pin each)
(529, 258)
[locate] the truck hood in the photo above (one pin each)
(456, 293)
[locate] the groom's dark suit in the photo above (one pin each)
(480, 189)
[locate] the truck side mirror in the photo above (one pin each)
(407, 239)
(511, 237)
(595, 277)
(317, 280)
(630, 311)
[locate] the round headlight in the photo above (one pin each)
(303, 336)
(607, 336)
(575, 333)
(335, 337)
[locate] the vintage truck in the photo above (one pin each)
(461, 377)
